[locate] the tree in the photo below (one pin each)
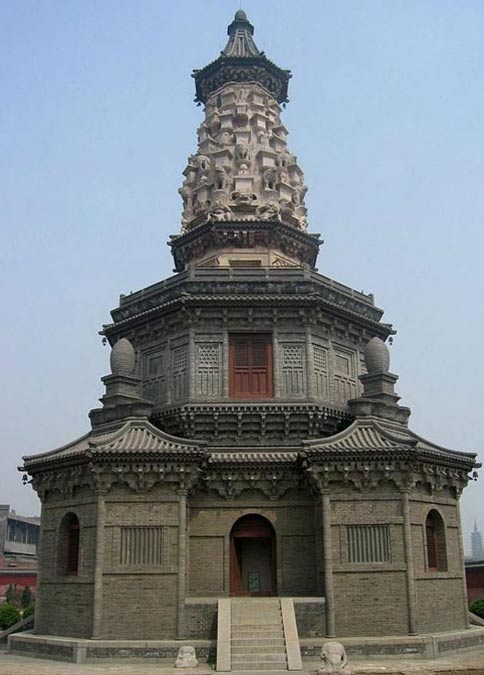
(11, 595)
(28, 611)
(9, 615)
(477, 607)
(26, 597)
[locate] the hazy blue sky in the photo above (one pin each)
(97, 119)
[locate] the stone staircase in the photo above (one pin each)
(257, 634)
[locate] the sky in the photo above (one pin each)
(97, 120)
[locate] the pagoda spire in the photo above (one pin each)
(241, 43)
(241, 61)
(243, 176)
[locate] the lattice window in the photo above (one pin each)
(320, 357)
(208, 373)
(368, 543)
(293, 380)
(293, 356)
(141, 546)
(179, 372)
(208, 355)
(179, 358)
(241, 354)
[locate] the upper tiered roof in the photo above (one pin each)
(241, 61)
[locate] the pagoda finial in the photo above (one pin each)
(122, 399)
(241, 42)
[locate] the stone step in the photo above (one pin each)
(256, 620)
(257, 658)
(247, 642)
(256, 626)
(261, 665)
(251, 609)
(256, 635)
(259, 649)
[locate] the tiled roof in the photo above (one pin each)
(135, 436)
(371, 435)
(252, 457)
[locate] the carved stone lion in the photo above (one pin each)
(334, 659)
(220, 211)
(186, 658)
(270, 211)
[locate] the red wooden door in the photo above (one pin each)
(250, 366)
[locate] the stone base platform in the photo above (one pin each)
(78, 650)
(422, 647)
(429, 646)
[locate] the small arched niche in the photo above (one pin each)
(253, 557)
(435, 544)
(69, 545)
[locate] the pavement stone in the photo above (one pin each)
(463, 663)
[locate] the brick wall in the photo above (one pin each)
(440, 600)
(211, 520)
(140, 595)
(65, 606)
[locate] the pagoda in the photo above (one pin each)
(250, 458)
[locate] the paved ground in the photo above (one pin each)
(471, 663)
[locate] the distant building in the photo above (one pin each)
(475, 579)
(19, 537)
(477, 548)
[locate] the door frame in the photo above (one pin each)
(250, 526)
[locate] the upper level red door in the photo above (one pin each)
(250, 366)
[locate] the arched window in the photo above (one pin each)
(435, 542)
(69, 545)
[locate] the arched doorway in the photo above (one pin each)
(253, 557)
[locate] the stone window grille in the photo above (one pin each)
(141, 546)
(368, 543)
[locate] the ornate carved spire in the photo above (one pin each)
(243, 170)
(241, 61)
